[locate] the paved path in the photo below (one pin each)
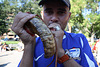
(10, 58)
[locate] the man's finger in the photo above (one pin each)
(25, 19)
(18, 17)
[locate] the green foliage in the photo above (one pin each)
(9, 8)
(3, 27)
(31, 6)
(89, 24)
(4, 11)
(93, 18)
(11, 42)
(97, 27)
(77, 18)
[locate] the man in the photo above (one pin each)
(56, 13)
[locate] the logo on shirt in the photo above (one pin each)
(75, 53)
(36, 59)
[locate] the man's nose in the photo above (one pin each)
(54, 18)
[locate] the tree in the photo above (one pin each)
(97, 27)
(86, 24)
(9, 8)
(3, 27)
(30, 6)
(77, 18)
(93, 19)
(3, 16)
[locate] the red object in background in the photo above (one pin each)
(94, 48)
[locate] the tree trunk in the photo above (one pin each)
(69, 28)
(92, 38)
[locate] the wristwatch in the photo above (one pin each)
(65, 57)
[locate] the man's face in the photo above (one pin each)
(56, 12)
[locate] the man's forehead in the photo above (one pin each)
(53, 7)
(61, 9)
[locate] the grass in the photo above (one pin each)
(11, 42)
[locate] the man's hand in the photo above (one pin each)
(28, 40)
(58, 35)
(17, 27)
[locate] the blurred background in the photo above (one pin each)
(85, 19)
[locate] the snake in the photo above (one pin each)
(37, 26)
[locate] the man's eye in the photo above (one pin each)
(49, 12)
(61, 12)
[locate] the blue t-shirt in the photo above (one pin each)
(77, 45)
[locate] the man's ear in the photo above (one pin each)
(69, 15)
(42, 14)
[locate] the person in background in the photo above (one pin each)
(1, 46)
(6, 47)
(73, 49)
(20, 46)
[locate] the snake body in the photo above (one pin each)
(36, 26)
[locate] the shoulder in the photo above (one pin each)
(38, 40)
(74, 35)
